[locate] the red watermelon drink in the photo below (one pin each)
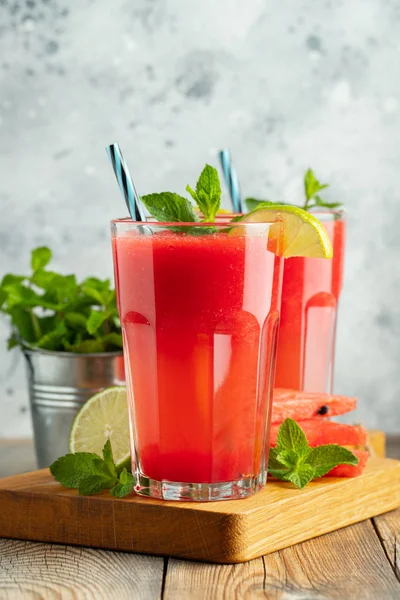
(199, 310)
(310, 296)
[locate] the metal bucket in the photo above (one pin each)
(59, 383)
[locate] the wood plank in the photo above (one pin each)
(197, 581)
(349, 563)
(388, 529)
(34, 507)
(32, 571)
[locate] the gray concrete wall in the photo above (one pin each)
(284, 84)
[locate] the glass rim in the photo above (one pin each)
(127, 221)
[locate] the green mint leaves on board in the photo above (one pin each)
(208, 193)
(312, 187)
(51, 311)
(90, 474)
(295, 461)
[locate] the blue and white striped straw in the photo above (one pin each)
(125, 183)
(231, 180)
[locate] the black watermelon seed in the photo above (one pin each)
(323, 410)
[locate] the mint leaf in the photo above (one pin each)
(301, 476)
(91, 474)
(70, 470)
(40, 257)
(321, 203)
(325, 458)
(52, 340)
(293, 460)
(94, 484)
(125, 485)
(46, 280)
(311, 184)
(252, 203)
(96, 320)
(22, 321)
(169, 207)
(292, 437)
(112, 341)
(109, 459)
(279, 473)
(85, 346)
(10, 280)
(76, 321)
(289, 458)
(273, 462)
(208, 193)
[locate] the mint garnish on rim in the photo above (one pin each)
(312, 187)
(293, 460)
(173, 208)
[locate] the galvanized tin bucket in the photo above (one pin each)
(59, 383)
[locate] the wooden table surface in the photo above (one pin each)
(359, 562)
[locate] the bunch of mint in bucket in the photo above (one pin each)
(50, 311)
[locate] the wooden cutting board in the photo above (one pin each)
(34, 507)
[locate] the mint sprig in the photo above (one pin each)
(312, 187)
(52, 311)
(295, 461)
(208, 193)
(90, 474)
(169, 207)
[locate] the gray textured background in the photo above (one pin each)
(284, 84)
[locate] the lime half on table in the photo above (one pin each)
(103, 417)
(303, 234)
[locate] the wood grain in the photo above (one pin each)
(34, 507)
(32, 571)
(388, 529)
(347, 564)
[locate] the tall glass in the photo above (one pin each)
(199, 314)
(310, 296)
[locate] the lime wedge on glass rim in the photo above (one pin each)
(104, 416)
(303, 234)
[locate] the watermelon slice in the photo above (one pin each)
(350, 470)
(308, 405)
(321, 431)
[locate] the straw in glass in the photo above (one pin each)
(126, 185)
(231, 180)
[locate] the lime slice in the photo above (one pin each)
(303, 233)
(103, 417)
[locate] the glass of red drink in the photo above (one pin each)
(199, 314)
(310, 296)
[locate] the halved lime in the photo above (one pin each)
(303, 234)
(103, 417)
